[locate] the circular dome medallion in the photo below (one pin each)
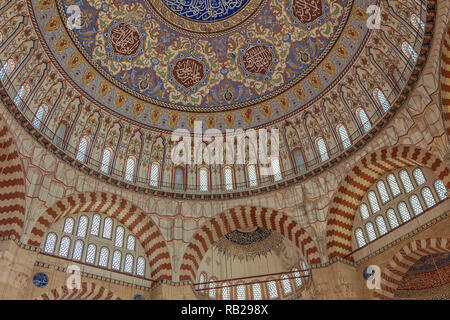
(205, 17)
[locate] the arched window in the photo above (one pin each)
(107, 228)
(129, 169)
(90, 253)
(417, 22)
(117, 257)
(119, 237)
(298, 278)
(383, 101)
(428, 197)
(441, 190)
(251, 171)
(360, 237)
(383, 192)
(50, 243)
(22, 94)
(373, 201)
(60, 135)
(419, 176)
(104, 256)
(409, 51)
(404, 212)
(37, 120)
(131, 243)
(140, 266)
(276, 170)
(203, 177)
(273, 291)
(364, 120)
(228, 177)
(256, 288)
(64, 247)
(346, 143)
(286, 285)
(371, 234)
(240, 292)
(68, 225)
(202, 280)
(299, 161)
(364, 211)
(128, 266)
(82, 146)
(179, 178)
(406, 181)
(95, 227)
(212, 290)
(393, 185)
(392, 218)
(415, 204)
(82, 226)
(321, 146)
(154, 174)
(381, 225)
(225, 291)
(77, 250)
(106, 159)
(305, 269)
(7, 68)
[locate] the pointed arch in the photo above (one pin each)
(404, 259)
(244, 217)
(125, 212)
(88, 291)
(12, 185)
(356, 184)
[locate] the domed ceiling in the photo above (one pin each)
(126, 74)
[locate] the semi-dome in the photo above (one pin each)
(107, 83)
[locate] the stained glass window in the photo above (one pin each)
(381, 225)
(7, 68)
(77, 250)
(225, 291)
(128, 266)
(286, 285)
(104, 256)
(179, 178)
(68, 225)
(228, 178)
(406, 181)
(299, 160)
(419, 176)
(364, 120)
(383, 101)
(392, 218)
(360, 237)
(409, 51)
(106, 157)
(273, 291)
(95, 227)
(257, 295)
(203, 179)
(428, 197)
(371, 231)
(344, 137)
(304, 267)
(298, 279)
(90, 253)
(212, 290)
(64, 247)
(81, 152)
(154, 175)
(383, 192)
(107, 228)
(240, 291)
(441, 190)
(129, 170)
(322, 150)
(50, 243)
(22, 95)
(364, 210)
(393, 185)
(140, 266)
(118, 242)
(404, 212)
(82, 226)
(202, 279)
(252, 175)
(117, 257)
(37, 120)
(276, 170)
(131, 242)
(373, 201)
(60, 135)
(415, 204)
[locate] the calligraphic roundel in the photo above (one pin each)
(307, 11)
(124, 39)
(257, 60)
(188, 72)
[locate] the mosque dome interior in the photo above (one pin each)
(224, 149)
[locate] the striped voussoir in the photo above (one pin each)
(364, 174)
(87, 291)
(12, 186)
(125, 212)
(392, 276)
(445, 80)
(241, 218)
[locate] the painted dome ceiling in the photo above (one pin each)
(126, 74)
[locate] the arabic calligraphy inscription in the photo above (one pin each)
(257, 59)
(124, 39)
(188, 72)
(307, 11)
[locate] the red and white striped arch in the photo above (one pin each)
(445, 81)
(364, 174)
(241, 218)
(88, 291)
(404, 259)
(125, 212)
(12, 185)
